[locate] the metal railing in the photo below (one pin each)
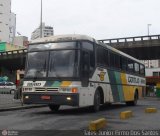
(13, 52)
(114, 41)
(130, 39)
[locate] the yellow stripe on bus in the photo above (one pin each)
(66, 83)
(126, 89)
(140, 93)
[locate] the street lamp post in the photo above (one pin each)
(41, 21)
(148, 25)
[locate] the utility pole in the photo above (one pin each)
(148, 25)
(41, 21)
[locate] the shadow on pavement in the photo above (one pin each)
(82, 111)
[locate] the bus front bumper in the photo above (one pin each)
(71, 99)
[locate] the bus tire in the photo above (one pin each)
(54, 107)
(97, 101)
(134, 102)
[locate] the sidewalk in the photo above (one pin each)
(7, 102)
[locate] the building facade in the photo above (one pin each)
(7, 22)
(151, 63)
(12, 27)
(152, 72)
(9, 47)
(21, 41)
(46, 32)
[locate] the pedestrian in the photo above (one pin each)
(18, 91)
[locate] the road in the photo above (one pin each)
(8, 101)
(68, 118)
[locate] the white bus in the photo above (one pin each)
(77, 70)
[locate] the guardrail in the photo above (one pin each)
(130, 39)
(13, 52)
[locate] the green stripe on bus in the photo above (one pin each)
(56, 84)
(48, 83)
(119, 86)
(113, 86)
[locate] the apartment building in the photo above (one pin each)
(46, 32)
(7, 22)
(151, 63)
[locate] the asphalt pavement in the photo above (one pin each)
(7, 102)
(70, 120)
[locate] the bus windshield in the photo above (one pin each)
(62, 64)
(53, 63)
(37, 64)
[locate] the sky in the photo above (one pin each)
(101, 19)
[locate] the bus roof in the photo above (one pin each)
(59, 38)
(74, 37)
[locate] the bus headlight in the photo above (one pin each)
(69, 98)
(73, 90)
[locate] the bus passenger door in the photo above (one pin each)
(85, 70)
(85, 66)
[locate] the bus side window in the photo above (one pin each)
(111, 59)
(136, 68)
(123, 63)
(142, 70)
(89, 47)
(130, 66)
(85, 62)
(102, 56)
(117, 61)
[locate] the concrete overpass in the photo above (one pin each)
(140, 47)
(13, 60)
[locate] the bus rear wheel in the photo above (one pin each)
(97, 101)
(54, 107)
(134, 102)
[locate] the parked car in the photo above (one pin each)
(8, 86)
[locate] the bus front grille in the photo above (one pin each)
(42, 89)
(52, 89)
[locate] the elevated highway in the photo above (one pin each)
(13, 60)
(140, 47)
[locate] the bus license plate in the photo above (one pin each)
(45, 97)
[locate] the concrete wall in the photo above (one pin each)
(149, 71)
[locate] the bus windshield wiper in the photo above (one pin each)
(52, 67)
(36, 75)
(38, 72)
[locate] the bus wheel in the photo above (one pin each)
(54, 107)
(134, 102)
(97, 101)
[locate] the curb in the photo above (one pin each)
(22, 107)
(150, 110)
(126, 114)
(97, 124)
